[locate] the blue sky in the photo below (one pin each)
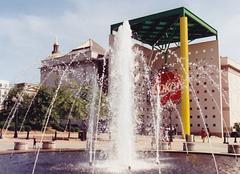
(28, 27)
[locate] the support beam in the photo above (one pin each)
(185, 105)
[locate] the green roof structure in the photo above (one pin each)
(163, 28)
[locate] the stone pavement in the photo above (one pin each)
(143, 143)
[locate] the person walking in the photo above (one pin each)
(209, 134)
(203, 134)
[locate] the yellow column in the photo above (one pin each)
(185, 105)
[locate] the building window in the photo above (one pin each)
(206, 116)
(213, 107)
(205, 99)
(205, 91)
(190, 116)
(214, 125)
(205, 108)
(198, 116)
(198, 125)
(190, 125)
(214, 116)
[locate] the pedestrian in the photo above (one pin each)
(203, 134)
(34, 143)
(209, 134)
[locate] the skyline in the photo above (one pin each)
(29, 28)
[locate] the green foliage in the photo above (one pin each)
(69, 101)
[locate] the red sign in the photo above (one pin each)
(169, 85)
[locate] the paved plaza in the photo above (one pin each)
(143, 143)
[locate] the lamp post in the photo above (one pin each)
(69, 126)
(18, 100)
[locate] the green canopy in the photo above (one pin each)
(163, 28)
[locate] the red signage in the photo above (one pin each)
(169, 87)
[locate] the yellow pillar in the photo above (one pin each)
(185, 105)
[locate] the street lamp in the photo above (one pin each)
(17, 100)
(69, 126)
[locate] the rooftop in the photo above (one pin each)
(163, 28)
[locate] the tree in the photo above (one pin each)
(68, 101)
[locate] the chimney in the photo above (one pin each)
(55, 47)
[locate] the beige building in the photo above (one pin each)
(4, 89)
(230, 92)
(27, 88)
(214, 81)
(74, 68)
(205, 86)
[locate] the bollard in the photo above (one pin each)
(224, 138)
(55, 136)
(27, 135)
(1, 134)
(235, 137)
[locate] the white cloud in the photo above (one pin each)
(26, 39)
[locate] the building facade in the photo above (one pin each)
(230, 92)
(214, 82)
(77, 67)
(4, 89)
(205, 87)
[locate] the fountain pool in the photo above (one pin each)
(77, 162)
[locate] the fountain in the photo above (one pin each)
(122, 96)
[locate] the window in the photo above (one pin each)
(214, 116)
(205, 108)
(205, 99)
(198, 125)
(198, 116)
(214, 125)
(190, 125)
(206, 116)
(205, 91)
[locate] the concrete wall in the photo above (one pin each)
(231, 94)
